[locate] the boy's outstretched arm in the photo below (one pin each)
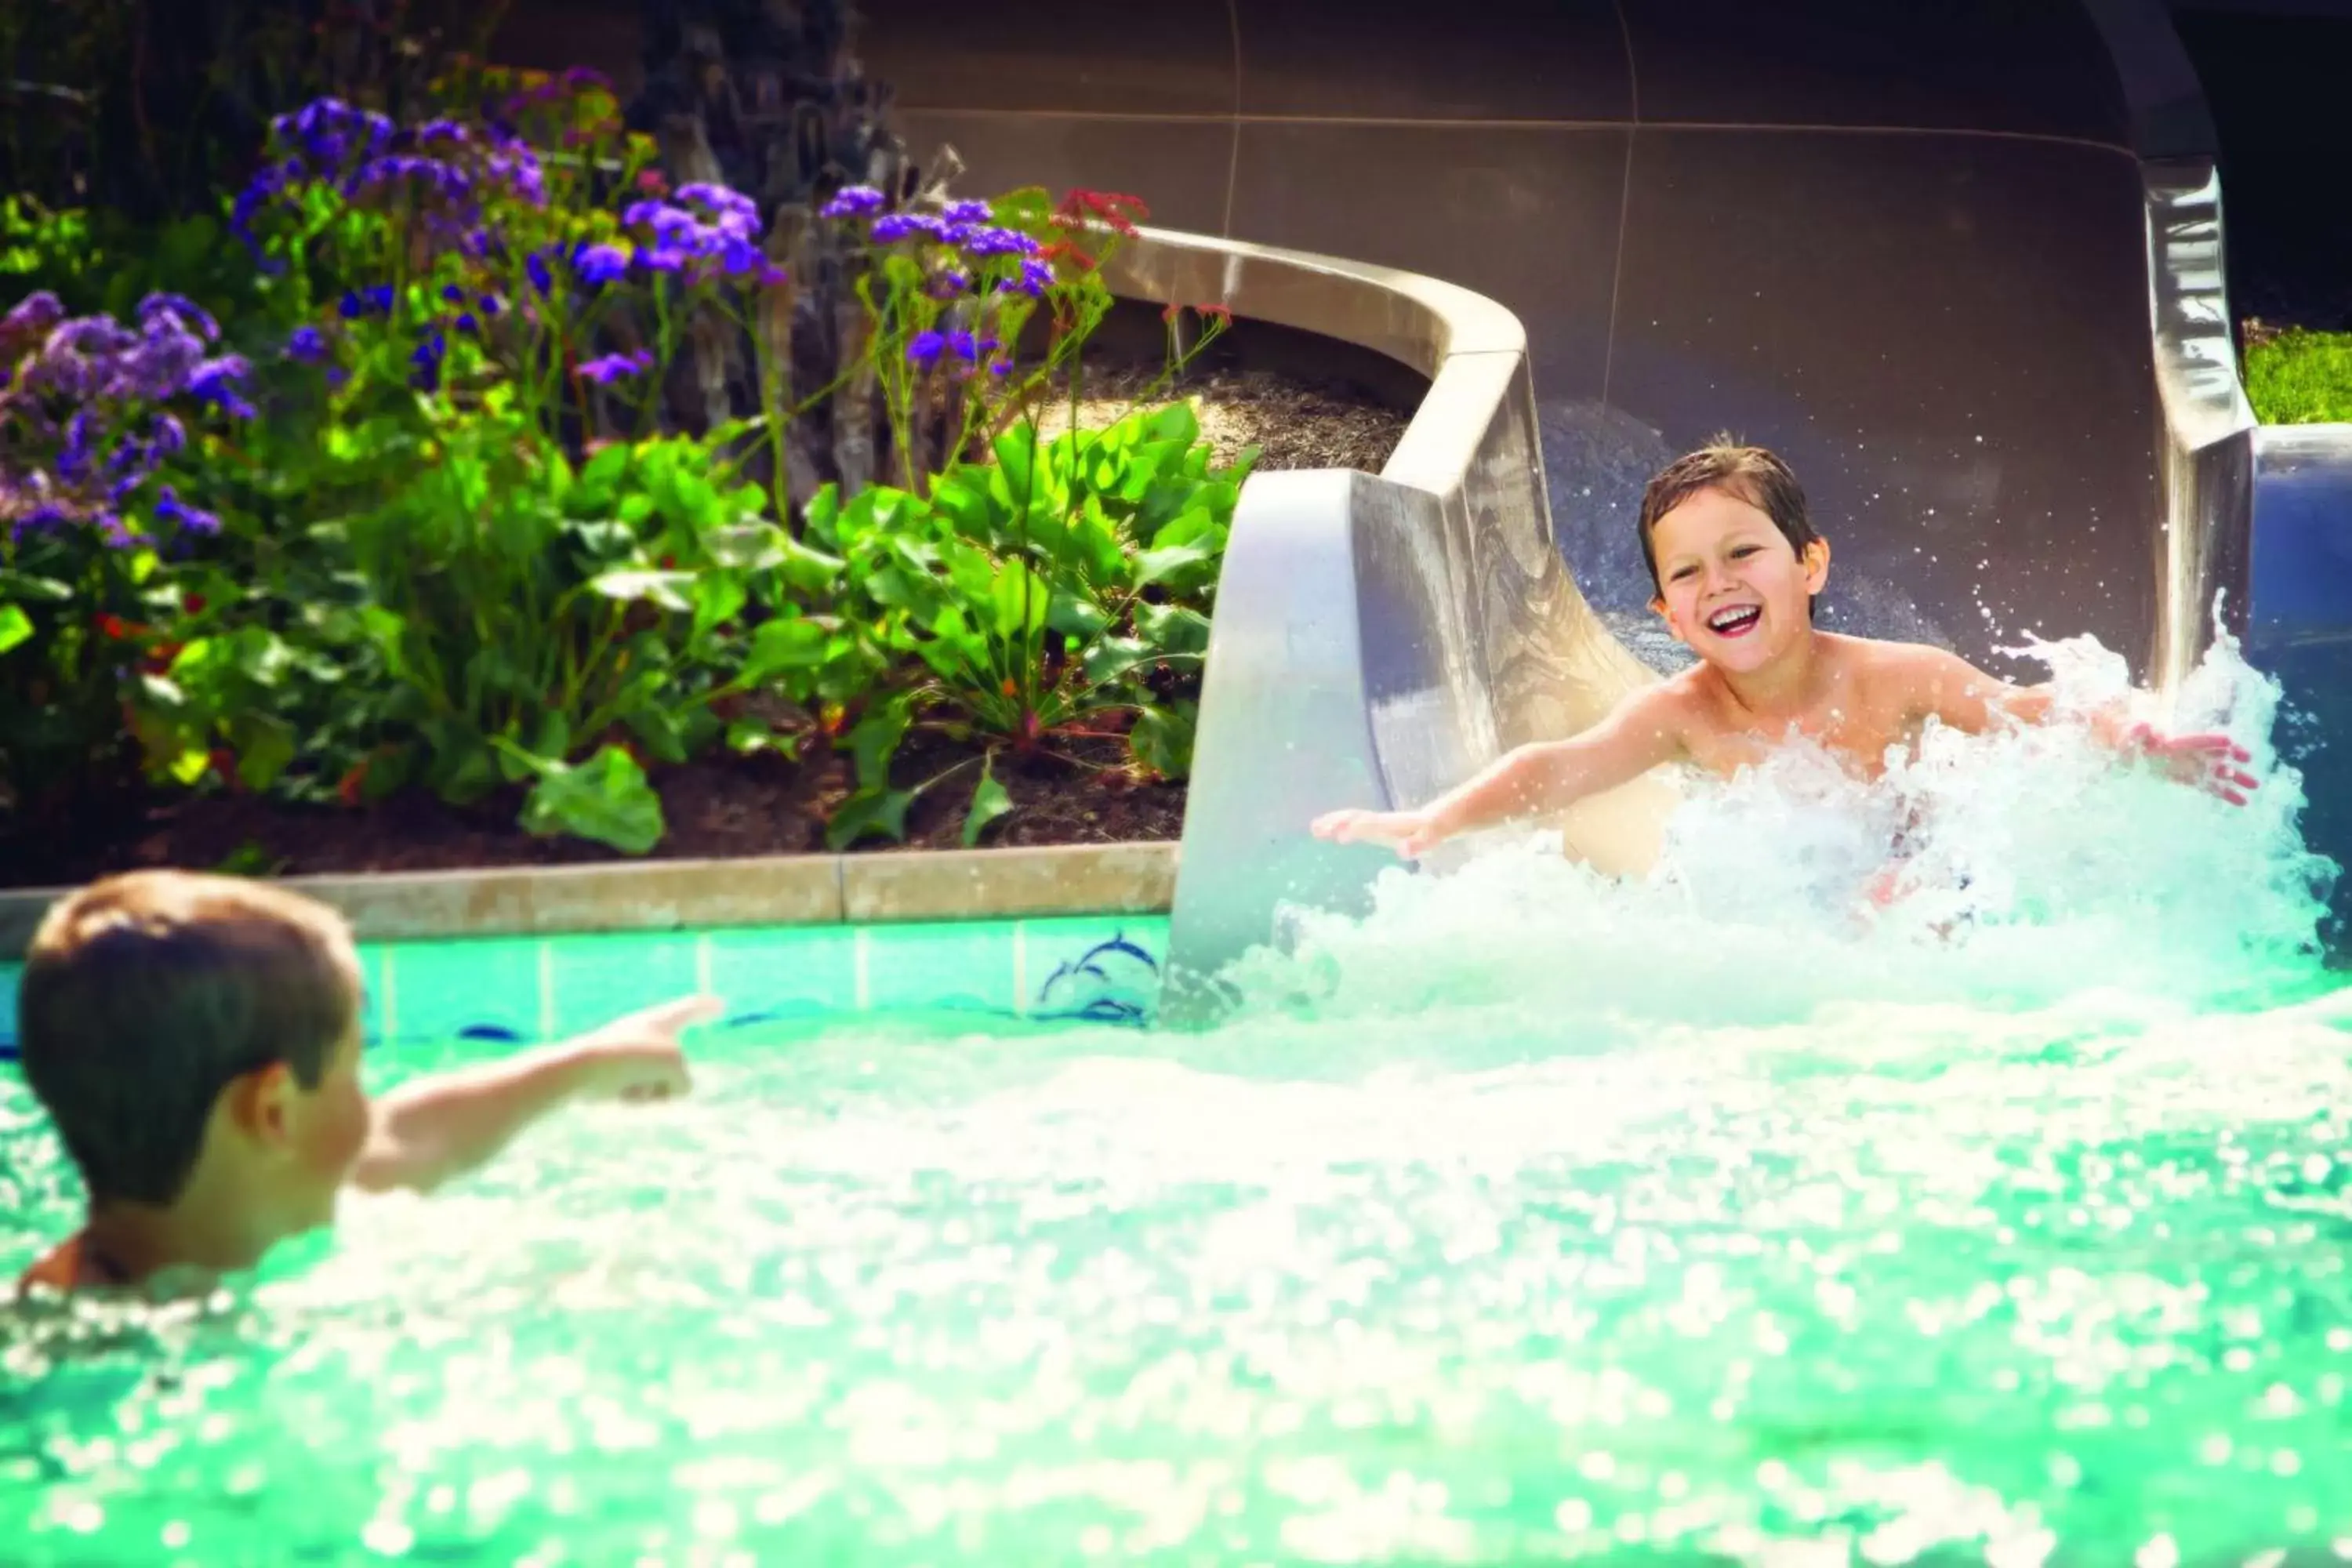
(428, 1132)
(1966, 699)
(1535, 780)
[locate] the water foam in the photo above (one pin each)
(2033, 867)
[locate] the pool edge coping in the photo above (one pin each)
(1137, 877)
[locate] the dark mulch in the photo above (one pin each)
(716, 807)
(730, 806)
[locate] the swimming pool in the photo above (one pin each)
(1526, 1219)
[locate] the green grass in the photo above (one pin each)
(2301, 378)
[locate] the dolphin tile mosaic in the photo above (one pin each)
(1105, 968)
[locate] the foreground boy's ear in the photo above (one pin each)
(260, 1103)
(1817, 564)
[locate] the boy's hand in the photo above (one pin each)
(2209, 761)
(1411, 834)
(637, 1057)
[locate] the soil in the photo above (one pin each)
(715, 807)
(727, 806)
(1293, 422)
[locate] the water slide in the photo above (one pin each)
(1959, 260)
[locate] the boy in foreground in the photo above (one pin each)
(196, 1041)
(1735, 564)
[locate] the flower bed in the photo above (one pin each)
(431, 513)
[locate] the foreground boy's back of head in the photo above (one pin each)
(145, 995)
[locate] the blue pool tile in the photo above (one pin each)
(967, 964)
(372, 1030)
(489, 988)
(1092, 967)
(600, 978)
(9, 974)
(784, 971)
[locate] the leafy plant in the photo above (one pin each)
(1059, 593)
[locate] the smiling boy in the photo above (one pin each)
(1735, 564)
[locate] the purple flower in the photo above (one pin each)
(968, 347)
(852, 200)
(453, 294)
(307, 345)
(37, 312)
(167, 436)
(598, 265)
(967, 211)
(491, 305)
(214, 382)
(892, 228)
(984, 242)
(170, 508)
(1034, 279)
(924, 348)
(73, 458)
(947, 284)
(427, 357)
(166, 306)
(466, 323)
(541, 278)
(580, 76)
(609, 368)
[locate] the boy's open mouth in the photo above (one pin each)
(1735, 620)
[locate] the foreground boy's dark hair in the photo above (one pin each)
(145, 994)
(1755, 475)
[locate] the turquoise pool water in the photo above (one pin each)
(1528, 1219)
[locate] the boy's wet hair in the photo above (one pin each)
(1754, 474)
(144, 995)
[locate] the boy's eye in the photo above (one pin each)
(1745, 550)
(1679, 572)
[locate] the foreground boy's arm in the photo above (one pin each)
(426, 1132)
(1534, 780)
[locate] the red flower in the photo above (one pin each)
(1113, 210)
(348, 790)
(654, 182)
(194, 604)
(115, 626)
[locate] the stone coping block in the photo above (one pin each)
(763, 890)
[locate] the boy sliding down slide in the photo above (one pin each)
(1735, 564)
(196, 1041)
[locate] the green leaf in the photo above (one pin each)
(988, 802)
(1173, 629)
(749, 546)
(658, 588)
(795, 642)
(869, 811)
(264, 746)
(1162, 739)
(1159, 565)
(605, 799)
(1114, 657)
(1019, 597)
(604, 469)
(659, 730)
(717, 597)
(745, 736)
(33, 590)
(15, 627)
(874, 741)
